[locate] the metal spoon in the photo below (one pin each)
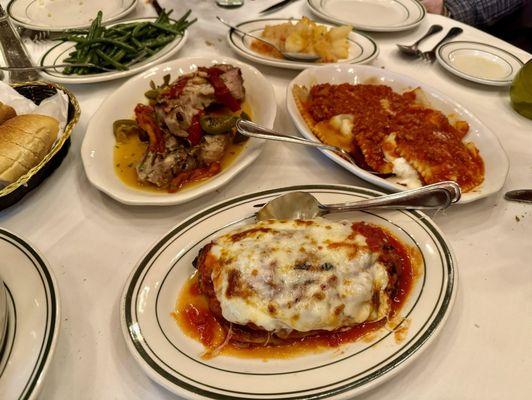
(251, 129)
(286, 54)
(413, 50)
(302, 205)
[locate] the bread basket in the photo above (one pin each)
(38, 91)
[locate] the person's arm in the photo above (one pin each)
(481, 12)
(474, 12)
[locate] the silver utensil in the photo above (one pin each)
(251, 129)
(522, 195)
(303, 205)
(14, 51)
(45, 67)
(276, 6)
(229, 3)
(430, 56)
(413, 50)
(286, 54)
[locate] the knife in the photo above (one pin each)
(522, 196)
(14, 51)
(276, 6)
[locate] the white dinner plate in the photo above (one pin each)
(173, 359)
(58, 15)
(33, 318)
(362, 48)
(479, 62)
(495, 159)
(370, 15)
(60, 51)
(99, 141)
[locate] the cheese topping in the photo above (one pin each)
(298, 275)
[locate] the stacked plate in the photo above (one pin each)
(29, 318)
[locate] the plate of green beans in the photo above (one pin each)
(122, 49)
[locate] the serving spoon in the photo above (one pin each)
(251, 129)
(289, 55)
(303, 205)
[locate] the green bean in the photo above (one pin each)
(137, 31)
(110, 61)
(160, 41)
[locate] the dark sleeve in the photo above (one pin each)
(481, 12)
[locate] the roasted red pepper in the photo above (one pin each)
(176, 89)
(145, 117)
(195, 133)
(193, 175)
(221, 91)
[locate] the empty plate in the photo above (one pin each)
(59, 15)
(370, 15)
(479, 62)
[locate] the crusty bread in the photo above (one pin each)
(24, 142)
(6, 112)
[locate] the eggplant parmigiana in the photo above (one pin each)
(392, 133)
(286, 282)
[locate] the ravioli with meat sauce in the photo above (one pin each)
(279, 280)
(392, 133)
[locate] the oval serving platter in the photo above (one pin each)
(34, 318)
(496, 162)
(370, 15)
(59, 15)
(362, 49)
(56, 54)
(99, 141)
(173, 359)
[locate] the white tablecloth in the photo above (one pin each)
(92, 242)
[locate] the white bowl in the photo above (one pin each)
(495, 159)
(99, 141)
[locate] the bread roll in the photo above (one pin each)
(24, 142)
(6, 112)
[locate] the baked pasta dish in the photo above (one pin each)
(392, 133)
(290, 284)
(305, 36)
(186, 130)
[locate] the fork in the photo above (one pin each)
(430, 56)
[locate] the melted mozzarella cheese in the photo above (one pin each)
(405, 173)
(343, 123)
(298, 275)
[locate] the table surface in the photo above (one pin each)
(92, 242)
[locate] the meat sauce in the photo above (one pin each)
(194, 317)
(425, 137)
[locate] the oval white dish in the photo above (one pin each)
(495, 159)
(99, 141)
(362, 49)
(173, 360)
(370, 15)
(59, 15)
(479, 62)
(34, 316)
(60, 51)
